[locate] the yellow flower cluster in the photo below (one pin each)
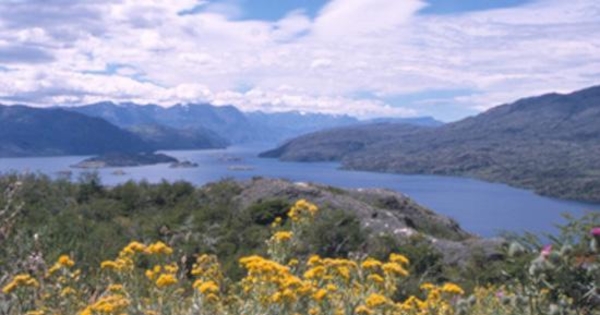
(125, 261)
(107, 305)
(270, 282)
(282, 236)
(163, 276)
(439, 300)
(144, 280)
(207, 271)
(302, 210)
(158, 248)
(22, 280)
(452, 288)
(64, 261)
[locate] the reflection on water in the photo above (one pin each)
(480, 207)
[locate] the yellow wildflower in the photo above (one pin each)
(151, 274)
(276, 297)
(371, 263)
(412, 303)
(172, 268)
(282, 236)
(66, 261)
(399, 259)
(277, 222)
(120, 264)
(363, 310)
(376, 278)
(109, 264)
(320, 295)
(208, 287)
(53, 269)
(375, 300)
(22, 280)
(315, 272)
(165, 280)
(302, 210)
(158, 248)
(450, 287)
(394, 268)
(132, 248)
(427, 286)
(313, 260)
(111, 304)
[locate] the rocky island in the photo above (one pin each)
(125, 160)
(183, 164)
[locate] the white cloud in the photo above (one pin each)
(345, 18)
(293, 24)
(286, 100)
(382, 47)
(320, 63)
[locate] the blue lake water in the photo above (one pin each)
(480, 207)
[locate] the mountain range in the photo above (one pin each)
(227, 123)
(217, 123)
(548, 143)
(107, 127)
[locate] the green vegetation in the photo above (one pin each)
(92, 222)
(43, 219)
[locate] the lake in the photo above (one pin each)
(480, 207)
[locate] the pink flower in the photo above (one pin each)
(546, 251)
(595, 231)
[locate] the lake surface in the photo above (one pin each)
(480, 207)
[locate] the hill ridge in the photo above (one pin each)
(549, 143)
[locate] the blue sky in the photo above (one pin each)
(457, 7)
(367, 58)
(274, 10)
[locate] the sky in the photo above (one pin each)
(367, 58)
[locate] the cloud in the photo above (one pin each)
(229, 9)
(24, 54)
(320, 63)
(59, 52)
(293, 25)
(285, 99)
(359, 17)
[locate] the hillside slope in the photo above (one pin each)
(167, 138)
(26, 131)
(549, 143)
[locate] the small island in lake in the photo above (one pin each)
(183, 164)
(125, 160)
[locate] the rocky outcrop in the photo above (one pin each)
(380, 211)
